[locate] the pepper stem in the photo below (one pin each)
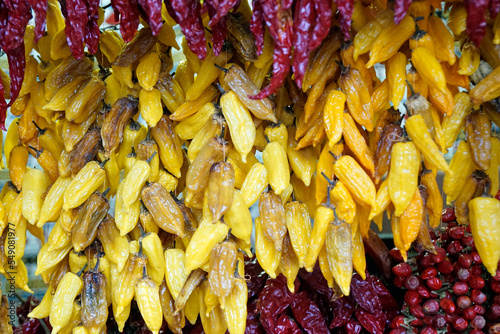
(38, 152)
(97, 263)
(106, 192)
(151, 157)
(40, 130)
(225, 70)
(411, 87)
(81, 270)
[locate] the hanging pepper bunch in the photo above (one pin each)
(149, 174)
(451, 288)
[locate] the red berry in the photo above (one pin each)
(477, 282)
(416, 322)
(427, 261)
(445, 267)
(402, 269)
(429, 273)
(478, 322)
(495, 309)
(463, 302)
(423, 291)
(428, 330)
(469, 313)
(454, 247)
(475, 257)
(398, 331)
(496, 299)
(476, 331)
(412, 298)
(431, 307)
(396, 255)
(478, 297)
(448, 215)
(460, 324)
(450, 318)
(495, 286)
(412, 283)
(476, 270)
(460, 288)
(468, 240)
(447, 305)
(465, 260)
(434, 283)
(439, 254)
(427, 320)
(398, 321)
(479, 309)
(464, 275)
(399, 282)
(439, 321)
(456, 232)
(417, 311)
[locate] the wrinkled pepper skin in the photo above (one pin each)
(148, 299)
(478, 134)
(94, 305)
(272, 215)
(221, 269)
(484, 215)
(220, 189)
(475, 186)
(340, 253)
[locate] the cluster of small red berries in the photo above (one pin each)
(448, 290)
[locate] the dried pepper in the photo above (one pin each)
(476, 19)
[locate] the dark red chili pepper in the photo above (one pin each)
(369, 321)
(40, 9)
(316, 281)
(378, 251)
(92, 32)
(302, 25)
(386, 299)
(257, 275)
(76, 21)
(187, 14)
(219, 29)
(3, 107)
(152, 9)
(323, 11)
(19, 13)
(129, 17)
(365, 294)
(346, 7)
(4, 17)
(274, 299)
(253, 325)
(286, 325)
(279, 21)
(223, 9)
(400, 9)
(257, 25)
(494, 8)
(342, 310)
(353, 327)
(307, 313)
(17, 63)
(476, 19)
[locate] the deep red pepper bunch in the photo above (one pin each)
(447, 291)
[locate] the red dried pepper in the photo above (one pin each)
(40, 9)
(353, 327)
(187, 14)
(342, 310)
(258, 277)
(17, 63)
(219, 28)
(274, 299)
(223, 9)
(307, 313)
(76, 21)
(152, 9)
(346, 7)
(302, 25)
(400, 9)
(4, 17)
(364, 294)
(253, 325)
(3, 107)
(257, 25)
(386, 299)
(324, 16)
(286, 325)
(369, 321)
(129, 17)
(476, 19)
(92, 32)
(278, 19)
(19, 13)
